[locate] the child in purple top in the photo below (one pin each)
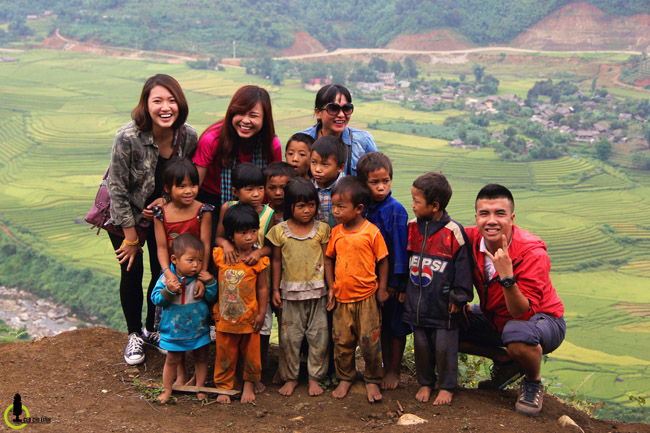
(376, 170)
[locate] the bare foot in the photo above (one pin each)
(248, 394)
(288, 387)
(258, 387)
(314, 388)
(373, 392)
(423, 394)
(162, 398)
(192, 381)
(200, 396)
(342, 390)
(444, 397)
(180, 380)
(391, 380)
(223, 399)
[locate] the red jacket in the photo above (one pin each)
(531, 266)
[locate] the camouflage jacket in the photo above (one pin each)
(132, 173)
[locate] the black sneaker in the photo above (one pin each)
(152, 338)
(502, 375)
(530, 398)
(134, 355)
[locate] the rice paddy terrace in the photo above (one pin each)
(59, 112)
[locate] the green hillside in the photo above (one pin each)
(59, 113)
(258, 26)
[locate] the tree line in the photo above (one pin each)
(260, 26)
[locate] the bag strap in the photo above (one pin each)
(178, 140)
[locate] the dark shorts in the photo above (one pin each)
(543, 329)
(391, 319)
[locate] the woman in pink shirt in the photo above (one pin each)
(245, 134)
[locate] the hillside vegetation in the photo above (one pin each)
(259, 26)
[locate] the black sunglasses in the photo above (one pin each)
(333, 108)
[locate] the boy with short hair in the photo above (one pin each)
(356, 268)
(277, 174)
(328, 157)
(297, 153)
(375, 170)
(440, 284)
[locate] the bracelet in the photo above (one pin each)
(129, 243)
(163, 271)
(170, 292)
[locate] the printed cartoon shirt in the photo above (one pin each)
(237, 307)
(356, 253)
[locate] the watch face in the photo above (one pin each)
(507, 282)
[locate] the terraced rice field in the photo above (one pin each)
(59, 113)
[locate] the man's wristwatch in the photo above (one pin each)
(507, 282)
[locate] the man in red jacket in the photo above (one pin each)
(520, 316)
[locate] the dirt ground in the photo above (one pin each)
(79, 380)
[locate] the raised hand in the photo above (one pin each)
(501, 259)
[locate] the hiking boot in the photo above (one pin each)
(152, 338)
(134, 355)
(530, 398)
(502, 375)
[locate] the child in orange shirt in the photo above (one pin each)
(243, 297)
(356, 267)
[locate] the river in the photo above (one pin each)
(41, 317)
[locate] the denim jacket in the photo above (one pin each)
(131, 179)
(361, 143)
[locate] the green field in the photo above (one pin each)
(59, 112)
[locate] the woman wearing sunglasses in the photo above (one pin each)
(333, 110)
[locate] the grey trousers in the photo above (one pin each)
(304, 319)
(436, 347)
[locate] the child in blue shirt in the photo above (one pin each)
(376, 170)
(183, 325)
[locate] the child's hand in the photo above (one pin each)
(453, 308)
(331, 301)
(253, 258)
(401, 296)
(205, 276)
(382, 296)
(392, 292)
(276, 300)
(230, 256)
(199, 290)
(259, 321)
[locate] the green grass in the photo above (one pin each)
(59, 112)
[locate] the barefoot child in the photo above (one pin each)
(183, 325)
(248, 183)
(440, 284)
(181, 214)
(299, 288)
(376, 170)
(277, 174)
(243, 297)
(297, 153)
(356, 249)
